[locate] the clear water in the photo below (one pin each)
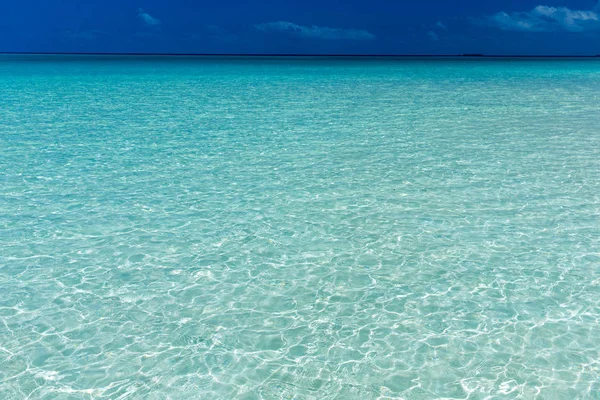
(299, 229)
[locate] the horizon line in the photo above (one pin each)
(466, 55)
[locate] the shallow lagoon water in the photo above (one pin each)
(299, 228)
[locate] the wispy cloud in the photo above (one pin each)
(147, 18)
(546, 19)
(315, 32)
(436, 30)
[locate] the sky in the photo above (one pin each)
(521, 27)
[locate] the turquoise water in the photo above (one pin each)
(299, 229)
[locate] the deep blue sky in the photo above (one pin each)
(310, 26)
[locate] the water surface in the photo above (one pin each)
(299, 229)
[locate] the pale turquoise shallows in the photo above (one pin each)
(299, 229)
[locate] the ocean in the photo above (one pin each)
(299, 228)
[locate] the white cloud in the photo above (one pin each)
(433, 35)
(547, 19)
(147, 18)
(440, 25)
(315, 32)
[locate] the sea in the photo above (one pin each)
(299, 227)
